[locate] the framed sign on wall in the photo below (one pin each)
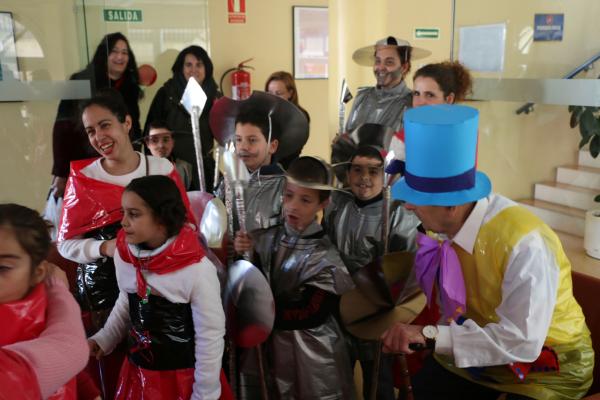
(311, 42)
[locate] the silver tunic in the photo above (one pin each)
(263, 196)
(356, 232)
(309, 363)
(380, 106)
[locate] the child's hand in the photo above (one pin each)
(95, 350)
(108, 247)
(242, 242)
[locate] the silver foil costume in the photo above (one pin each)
(356, 232)
(380, 106)
(263, 197)
(308, 363)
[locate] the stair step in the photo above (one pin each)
(585, 159)
(558, 217)
(579, 175)
(566, 195)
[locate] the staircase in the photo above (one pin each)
(562, 204)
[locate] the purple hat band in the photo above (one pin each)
(463, 181)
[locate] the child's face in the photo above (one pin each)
(16, 275)
(139, 223)
(365, 177)
(160, 142)
(301, 205)
(251, 146)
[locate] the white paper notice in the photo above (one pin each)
(481, 47)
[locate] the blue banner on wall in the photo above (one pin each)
(548, 27)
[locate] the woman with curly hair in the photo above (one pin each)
(447, 82)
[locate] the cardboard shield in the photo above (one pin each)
(249, 305)
(386, 292)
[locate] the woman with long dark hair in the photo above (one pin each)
(191, 61)
(113, 66)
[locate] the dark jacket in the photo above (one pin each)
(166, 106)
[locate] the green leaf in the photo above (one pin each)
(575, 115)
(574, 121)
(588, 124)
(584, 141)
(595, 146)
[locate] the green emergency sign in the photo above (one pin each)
(122, 15)
(427, 33)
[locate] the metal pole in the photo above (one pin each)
(261, 373)
(198, 146)
(217, 161)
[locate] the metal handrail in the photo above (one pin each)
(528, 107)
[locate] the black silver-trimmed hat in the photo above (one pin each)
(291, 122)
(316, 183)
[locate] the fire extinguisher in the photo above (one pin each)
(240, 81)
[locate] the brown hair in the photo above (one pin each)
(288, 81)
(30, 230)
(451, 76)
(290, 85)
(404, 53)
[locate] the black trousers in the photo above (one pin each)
(435, 382)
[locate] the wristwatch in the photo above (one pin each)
(430, 332)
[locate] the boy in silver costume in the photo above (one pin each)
(353, 222)
(306, 352)
(266, 128)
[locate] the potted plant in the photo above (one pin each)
(588, 120)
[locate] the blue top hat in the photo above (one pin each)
(441, 157)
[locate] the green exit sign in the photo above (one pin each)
(122, 15)
(427, 33)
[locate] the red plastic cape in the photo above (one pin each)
(137, 383)
(183, 251)
(89, 204)
(24, 320)
(15, 373)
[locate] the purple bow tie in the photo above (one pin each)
(439, 258)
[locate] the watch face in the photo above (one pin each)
(430, 331)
